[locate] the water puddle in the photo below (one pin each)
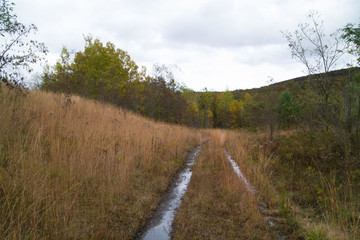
(249, 188)
(239, 173)
(160, 226)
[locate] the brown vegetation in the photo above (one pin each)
(217, 205)
(81, 169)
(75, 168)
(315, 192)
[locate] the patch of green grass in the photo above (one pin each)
(318, 234)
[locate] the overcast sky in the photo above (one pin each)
(218, 44)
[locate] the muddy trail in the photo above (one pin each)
(160, 226)
(235, 210)
(264, 211)
(238, 172)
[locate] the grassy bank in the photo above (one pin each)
(317, 190)
(72, 168)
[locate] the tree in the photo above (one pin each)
(207, 108)
(100, 72)
(103, 72)
(312, 47)
(17, 52)
(223, 111)
(236, 109)
(58, 79)
(318, 52)
(192, 116)
(288, 109)
(270, 112)
(163, 98)
(351, 34)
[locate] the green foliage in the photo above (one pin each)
(207, 108)
(192, 116)
(236, 109)
(108, 74)
(316, 235)
(103, 72)
(99, 72)
(288, 109)
(313, 171)
(285, 208)
(351, 34)
(162, 97)
(16, 51)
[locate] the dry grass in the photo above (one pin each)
(217, 205)
(250, 151)
(81, 169)
(282, 195)
(249, 154)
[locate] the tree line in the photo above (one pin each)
(108, 74)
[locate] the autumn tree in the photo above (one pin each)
(207, 108)
(17, 52)
(223, 110)
(163, 98)
(101, 72)
(192, 116)
(252, 111)
(236, 109)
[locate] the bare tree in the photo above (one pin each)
(318, 51)
(312, 47)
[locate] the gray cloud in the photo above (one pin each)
(223, 27)
(208, 39)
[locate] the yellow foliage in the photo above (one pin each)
(236, 109)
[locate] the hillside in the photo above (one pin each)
(72, 168)
(341, 76)
(104, 148)
(77, 168)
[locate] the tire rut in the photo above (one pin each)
(266, 213)
(160, 226)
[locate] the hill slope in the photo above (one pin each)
(75, 168)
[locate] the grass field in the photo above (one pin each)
(77, 169)
(72, 168)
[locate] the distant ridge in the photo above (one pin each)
(335, 73)
(340, 74)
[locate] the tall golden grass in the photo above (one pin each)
(77, 169)
(247, 151)
(72, 168)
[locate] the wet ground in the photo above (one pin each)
(262, 205)
(239, 173)
(160, 225)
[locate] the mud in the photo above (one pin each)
(239, 173)
(251, 189)
(160, 225)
